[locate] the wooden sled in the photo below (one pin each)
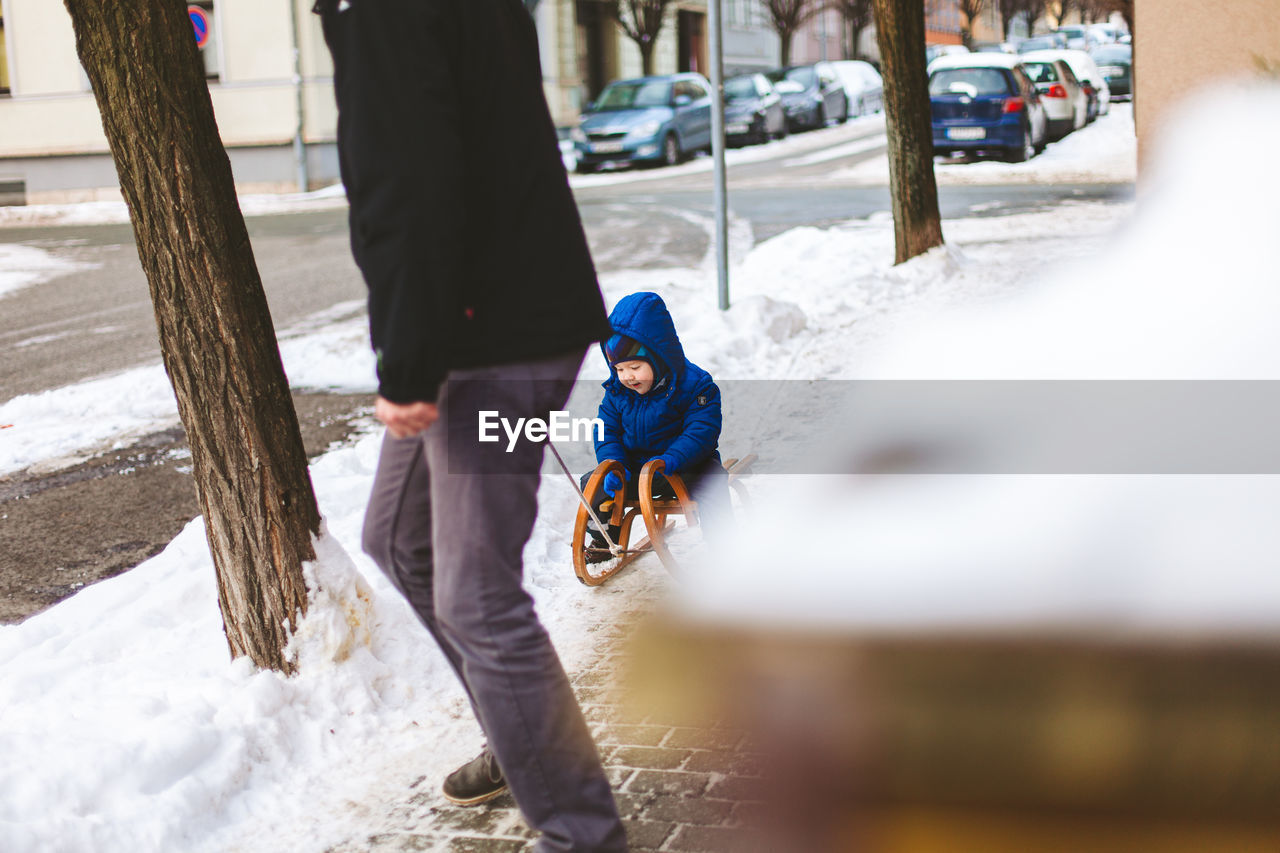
(654, 512)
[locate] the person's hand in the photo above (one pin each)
(405, 419)
(612, 482)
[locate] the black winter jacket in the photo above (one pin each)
(462, 220)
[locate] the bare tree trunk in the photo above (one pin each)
(646, 57)
(917, 224)
(784, 47)
(216, 336)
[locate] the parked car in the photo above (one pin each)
(863, 86)
(984, 103)
(995, 47)
(1115, 61)
(811, 95)
(753, 111)
(645, 120)
(933, 51)
(1052, 41)
(1064, 98)
(1106, 33)
(1079, 37)
(1090, 77)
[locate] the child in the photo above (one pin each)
(657, 404)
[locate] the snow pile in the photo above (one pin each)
(124, 725)
(1188, 290)
(1189, 293)
(23, 266)
(1103, 152)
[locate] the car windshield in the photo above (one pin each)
(969, 81)
(1037, 44)
(1114, 53)
(1041, 72)
(1071, 32)
(635, 95)
(803, 76)
(740, 89)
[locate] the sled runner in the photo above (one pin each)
(654, 512)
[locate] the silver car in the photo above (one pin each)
(1064, 98)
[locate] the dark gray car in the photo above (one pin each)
(753, 111)
(812, 95)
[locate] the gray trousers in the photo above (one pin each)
(447, 522)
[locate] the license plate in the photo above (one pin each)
(966, 133)
(1110, 71)
(737, 128)
(606, 147)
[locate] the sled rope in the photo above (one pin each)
(614, 548)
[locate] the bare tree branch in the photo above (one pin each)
(642, 21)
(786, 17)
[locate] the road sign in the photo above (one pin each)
(200, 22)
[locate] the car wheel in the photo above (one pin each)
(671, 150)
(1024, 152)
(585, 168)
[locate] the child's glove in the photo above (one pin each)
(612, 482)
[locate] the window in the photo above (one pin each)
(4, 59)
(1041, 72)
(969, 81)
(626, 96)
(211, 53)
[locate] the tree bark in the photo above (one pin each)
(216, 336)
(917, 225)
(784, 47)
(646, 57)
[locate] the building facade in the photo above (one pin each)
(52, 147)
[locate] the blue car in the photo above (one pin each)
(656, 120)
(985, 104)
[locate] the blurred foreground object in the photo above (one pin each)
(1048, 662)
(985, 744)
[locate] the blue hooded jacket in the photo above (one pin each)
(679, 418)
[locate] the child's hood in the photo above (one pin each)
(644, 317)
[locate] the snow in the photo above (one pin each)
(57, 428)
(125, 726)
(1100, 153)
(114, 212)
(22, 266)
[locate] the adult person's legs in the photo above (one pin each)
(466, 587)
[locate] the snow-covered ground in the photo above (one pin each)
(125, 727)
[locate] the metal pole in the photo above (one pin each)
(717, 152)
(299, 146)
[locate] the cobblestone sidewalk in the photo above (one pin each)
(678, 788)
